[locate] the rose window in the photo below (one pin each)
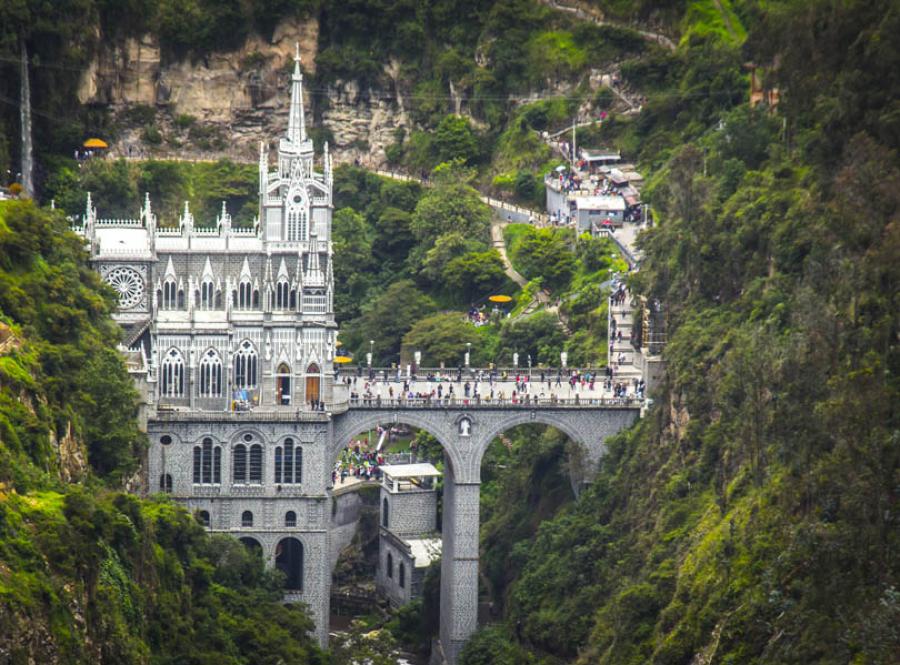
(128, 284)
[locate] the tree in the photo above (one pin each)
(538, 335)
(353, 262)
(454, 139)
(393, 238)
(388, 318)
(441, 338)
(450, 207)
(545, 253)
(446, 248)
(474, 274)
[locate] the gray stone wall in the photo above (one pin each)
(389, 585)
(411, 513)
(345, 513)
(268, 501)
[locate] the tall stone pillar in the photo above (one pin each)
(459, 564)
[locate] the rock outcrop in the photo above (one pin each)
(239, 97)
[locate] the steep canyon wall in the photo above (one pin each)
(238, 97)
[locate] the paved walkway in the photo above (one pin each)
(591, 16)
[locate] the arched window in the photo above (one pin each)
(289, 463)
(245, 365)
(255, 299)
(256, 453)
(207, 295)
(211, 374)
(239, 463)
(246, 518)
(203, 517)
(180, 298)
(390, 565)
(293, 303)
(290, 518)
(207, 463)
(282, 295)
(245, 295)
(172, 374)
(165, 483)
(169, 294)
(401, 575)
(297, 216)
(384, 512)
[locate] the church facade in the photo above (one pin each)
(235, 335)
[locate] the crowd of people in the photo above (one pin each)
(480, 316)
(483, 387)
(358, 461)
(618, 296)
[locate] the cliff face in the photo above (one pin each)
(239, 96)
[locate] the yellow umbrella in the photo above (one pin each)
(343, 359)
(96, 143)
(500, 298)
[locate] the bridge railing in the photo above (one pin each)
(527, 402)
(453, 374)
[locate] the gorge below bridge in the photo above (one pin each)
(465, 430)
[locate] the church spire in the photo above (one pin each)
(297, 120)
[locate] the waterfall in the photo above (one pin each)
(25, 122)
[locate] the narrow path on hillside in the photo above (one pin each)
(585, 15)
(499, 244)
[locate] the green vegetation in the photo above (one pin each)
(745, 519)
(118, 189)
(749, 518)
(89, 574)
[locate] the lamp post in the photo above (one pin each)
(371, 351)
(563, 359)
(468, 353)
(516, 360)
(529, 367)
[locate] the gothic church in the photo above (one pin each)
(231, 336)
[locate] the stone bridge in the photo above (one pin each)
(464, 432)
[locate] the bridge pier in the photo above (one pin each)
(459, 566)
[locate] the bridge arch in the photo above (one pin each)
(588, 439)
(354, 422)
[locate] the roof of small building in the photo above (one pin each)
(595, 155)
(424, 550)
(609, 203)
(421, 470)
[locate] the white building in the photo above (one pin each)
(591, 211)
(235, 329)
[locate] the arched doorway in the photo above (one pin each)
(252, 544)
(283, 385)
(289, 560)
(313, 383)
